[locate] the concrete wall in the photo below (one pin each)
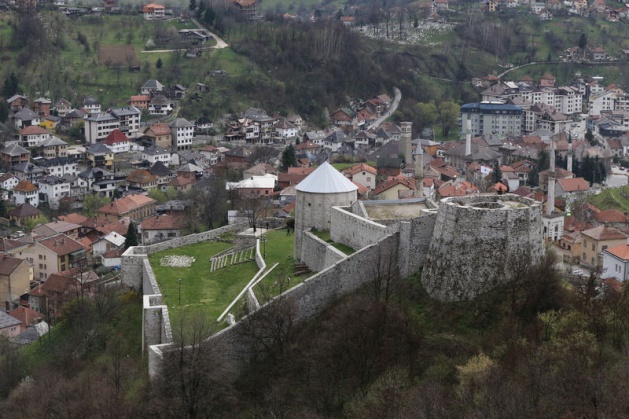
(317, 254)
(475, 240)
(354, 231)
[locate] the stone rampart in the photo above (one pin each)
(354, 231)
(317, 254)
(415, 237)
(476, 240)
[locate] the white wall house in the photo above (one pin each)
(155, 153)
(616, 262)
(53, 188)
(182, 133)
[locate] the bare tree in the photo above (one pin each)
(194, 378)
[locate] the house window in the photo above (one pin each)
(583, 257)
(593, 246)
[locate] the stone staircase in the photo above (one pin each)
(232, 257)
(300, 269)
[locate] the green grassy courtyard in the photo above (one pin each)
(210, 293)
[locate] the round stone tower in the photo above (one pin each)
(476, 242)
(323, 189)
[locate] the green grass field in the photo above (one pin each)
(201, 290)
(612, 198)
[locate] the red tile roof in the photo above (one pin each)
(9, 264)
(388, 184)
(574, 184)
(33, 130)
(61, 244)
(602, 233)
(73, 218)
(126, 204)
(621, 251)
(58, 284)
(163, 222)
(25, 186)
(610, 216)
(360, 167)
(27, 316)
(116, 136)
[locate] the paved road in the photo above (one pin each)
(393, 108)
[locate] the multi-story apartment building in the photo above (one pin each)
(492, 118)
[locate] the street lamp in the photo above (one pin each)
(179, 291)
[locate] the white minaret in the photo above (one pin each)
(550, 202)
(569, 164)
(407, 129)
(419, 171)
(468, 135)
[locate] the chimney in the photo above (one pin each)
(468, 135)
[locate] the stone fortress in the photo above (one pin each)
(461, 246)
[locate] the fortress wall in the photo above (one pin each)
(475, 239)
(312, 296)
(354, 231)
(415, 237)
(313, 210)
(131, 268)
(317, 254)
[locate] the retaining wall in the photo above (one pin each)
(415, 237)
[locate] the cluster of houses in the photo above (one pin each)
(544, 9)
(523, 106)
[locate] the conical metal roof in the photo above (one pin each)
(326, 179)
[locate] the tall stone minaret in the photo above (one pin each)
(550, 202)
(419, 171)
(407, 129)
(569, 164)
(468, 135)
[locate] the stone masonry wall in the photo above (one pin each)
(415, 237)
(317, 254)
(475, 239)
(131, 260)
(354, 231)
(308, 299)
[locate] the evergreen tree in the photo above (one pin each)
(3, 208)
(288, 157)
(193, 5)
(11, 85)
(131, 238)
(497, 173)
(4, 111)
(583, 41)
(159, 63)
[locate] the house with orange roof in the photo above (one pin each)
(159, 135)
(453, 188)
(26, 192)
(137, 207)
(54, 254)
(154, 11)
(547, 80)
(394, 188)
(15, 278)
(140, 101)
(33, 135)
(362, 174)
(159, 228)
(142, 179)
(27, 316)
(571, 186)
(612, 218)
(598, 239)
(616, 262)
(117, 141)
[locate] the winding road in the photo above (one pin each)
(392, 109)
